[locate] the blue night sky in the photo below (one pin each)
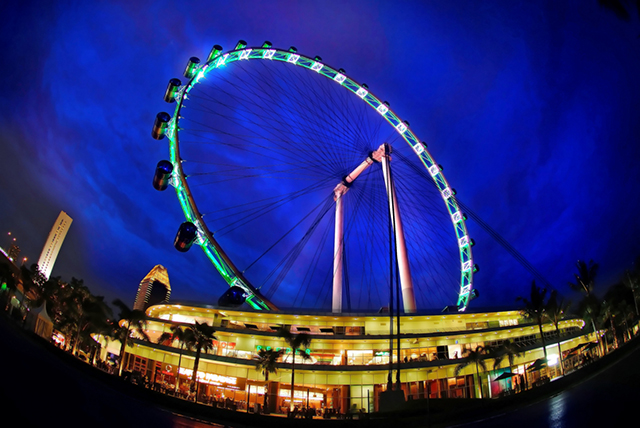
(532, 108)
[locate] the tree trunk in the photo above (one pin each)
(265, 403)
(560, 351)
(544, 345)
(122, 353)
(178, 370)
(595, 333)
(293, 377)
(194, 377)
(479, 380)
(615, 334)
(75, 345)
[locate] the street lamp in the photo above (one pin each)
(11, 241)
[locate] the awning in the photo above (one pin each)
(537, 364)
(506, 375)
(590, 346)
(576, 350)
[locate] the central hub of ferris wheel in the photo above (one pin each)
(381, 155)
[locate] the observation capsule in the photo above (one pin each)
(215, 51)
(267, 44)
(233, 297)
(162, 175)
(192, 66)
(172, 90)
(185, 237)
(241, 45)
(160, 125)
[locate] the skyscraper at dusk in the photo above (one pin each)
(154, 289)
(54, 242)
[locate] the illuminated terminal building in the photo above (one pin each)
(349, 354)
(153, 289)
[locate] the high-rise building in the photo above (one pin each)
(154, 289)
(54, 242)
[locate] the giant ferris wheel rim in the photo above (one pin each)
(214, 251)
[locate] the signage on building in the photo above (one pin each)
(287, 350)
(215, 379)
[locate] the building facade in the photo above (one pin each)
(349, 355)
(54, 243)
(153, 289)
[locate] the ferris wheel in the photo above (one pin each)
(310, 189)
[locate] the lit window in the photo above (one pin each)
(382, 109)
(221, 61)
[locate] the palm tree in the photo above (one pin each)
(585, 282)
(585, 278)
(32, 280)
(534, 309)
(476, 356)
(66, 309)
(266, 362)
(200, 336)
(554, 312)
(508, 349)
(183, 336)
(94, 315)
(296, 342)
(129, 319)
(609, 312)
(632, 281)
(617, 307)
